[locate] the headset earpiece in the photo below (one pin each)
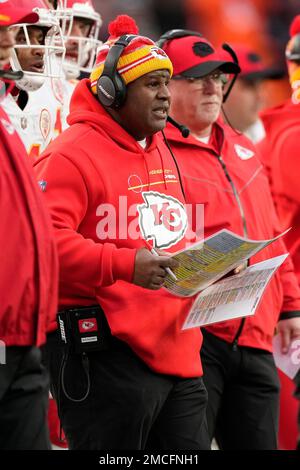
(175, 34)
(111, 88)
(230, 51)
(111, 91)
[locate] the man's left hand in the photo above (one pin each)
(289, 330)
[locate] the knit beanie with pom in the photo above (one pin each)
(140, 57)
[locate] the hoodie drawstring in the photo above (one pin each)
(163, 167)
(147, 170)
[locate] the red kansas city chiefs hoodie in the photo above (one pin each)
(106, 195)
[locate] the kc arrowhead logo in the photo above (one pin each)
(243, 152)
(162, 219)
(87, 324)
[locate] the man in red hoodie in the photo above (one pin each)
(221, 169)
(280, 153)
(28, 276)
(114, 192)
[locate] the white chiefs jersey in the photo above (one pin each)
(41, 119)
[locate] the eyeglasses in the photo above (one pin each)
(218, 78)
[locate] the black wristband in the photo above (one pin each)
(288, 315)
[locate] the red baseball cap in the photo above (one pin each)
(11, 13)
(252, 65)
(194, 57)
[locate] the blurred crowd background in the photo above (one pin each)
(261, 24)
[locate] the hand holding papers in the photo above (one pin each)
(168, 270)
(234, 297)
(206, 262)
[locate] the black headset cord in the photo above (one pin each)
(86, 367)
(176, 164)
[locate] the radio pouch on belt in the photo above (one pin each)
(84, 329)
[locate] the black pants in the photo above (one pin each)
(128, 405)
(243, 395)
(23, 400)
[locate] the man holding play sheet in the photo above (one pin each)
(146, 389)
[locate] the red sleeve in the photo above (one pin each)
(289, 165)
(289, 281)
(291, 290)
(81, 260)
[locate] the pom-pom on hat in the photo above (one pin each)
(140, 57)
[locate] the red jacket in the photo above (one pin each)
(28, 263)
(93, 172)
(280, 152)
(235, 194)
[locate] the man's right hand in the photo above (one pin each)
(149, 269)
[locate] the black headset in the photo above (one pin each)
(111, 88)
(168, 36)
(175, 34)
(13, 75)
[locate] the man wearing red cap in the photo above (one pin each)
(28, 278)
(114, 193)
(280, 152)
(245, 101)
(220, 169)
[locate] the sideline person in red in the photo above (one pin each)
(111, 184)
(246, 98)
(28, 276)
(280, 153)
(221, 170)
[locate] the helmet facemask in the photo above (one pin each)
(84, 47)
(52, 48)
(64, 16)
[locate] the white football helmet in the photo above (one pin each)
(82, 49)
(64, 14)
(53, 47)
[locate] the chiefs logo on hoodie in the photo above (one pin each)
(162, 218)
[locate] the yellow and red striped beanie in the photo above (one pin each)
(141, 56)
